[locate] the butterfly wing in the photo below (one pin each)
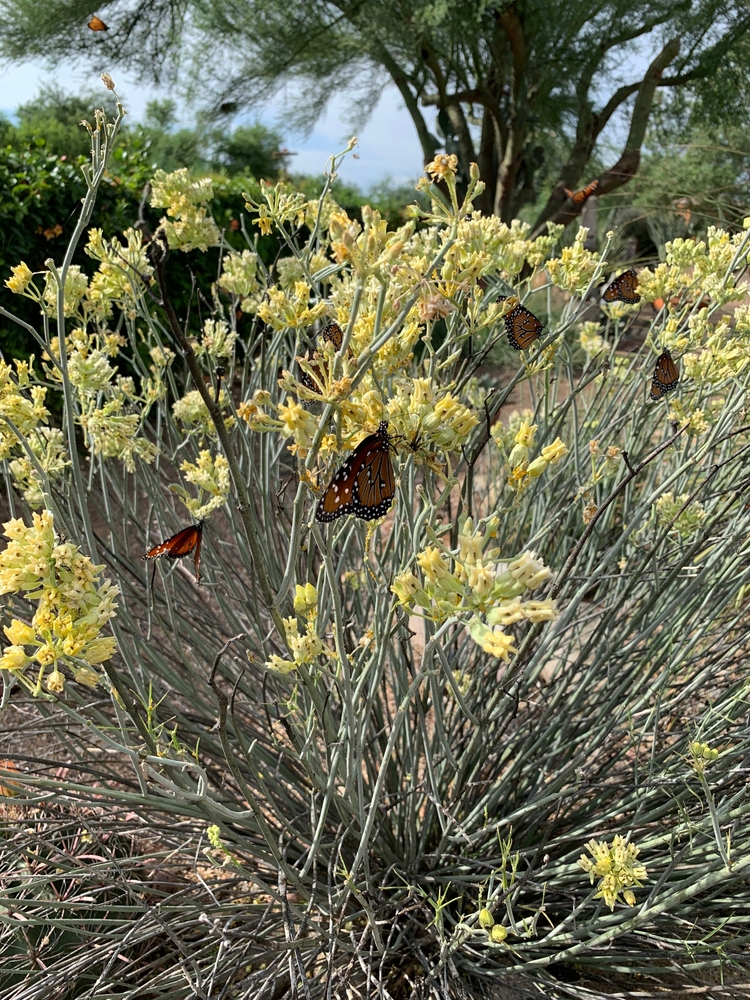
(522, 328)
(96, 24)
(374, 486)
(179, 545)
(666, 376)
(364, 485)
(333, 334)
(623, 289)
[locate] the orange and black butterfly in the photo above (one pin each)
(333, 334)
(522, 327)
(623, 289)
(364, 485)
(96, 24)
(666, 376)
(579, 197)
(180, 545)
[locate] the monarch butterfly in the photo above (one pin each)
(96, 24)
(522, 328)
(181, 545)
(333, 334)
(578, 197)
(623, 288)
(666, 376)
(364, 485)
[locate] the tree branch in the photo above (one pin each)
(560, 208)
(426, 139)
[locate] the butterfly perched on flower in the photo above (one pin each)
(579, 197)
(666, 376)
(180, 545)
(332, 334)
(365, 484)
(522, 327)
(96, 24)
(623, 289)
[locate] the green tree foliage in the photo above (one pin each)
(52, 119)
(496, 81)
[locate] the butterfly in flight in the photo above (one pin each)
(96, 24)
(364, 485)
(332, 334)
(623, 289)
(666, 376)
(522, 327)
(579, 197)
(180, 545)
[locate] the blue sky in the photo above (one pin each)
(388, 145)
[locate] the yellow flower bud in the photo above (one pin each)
(537, 467)
(486, 919)
(56, 682)
(555, 451)
(14, 658)
(19, 633)
(100, 649)
(498, 933)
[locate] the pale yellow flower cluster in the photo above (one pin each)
(112, 432)
(211, 476)
(187, 225)
(687, 516)
(76, 286)
(616, 868)
(695, 268)
(74, 605)
(590, 338)
(697, 418)
(521, 469)
(291, 420)
(48, 447)
(217, 341)
(369, 248)
(701, 755)
(191, 411)
(485, 245)
(239, 276)
(123, 269)
(21, 403)
(576, 266)
(293, 309)
(305, 646)
(290, 270)
(473, 579)
(428, 420)
(281, 204)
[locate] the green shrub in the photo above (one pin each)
(500, 730)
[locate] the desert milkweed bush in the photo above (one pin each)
(502, 727)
